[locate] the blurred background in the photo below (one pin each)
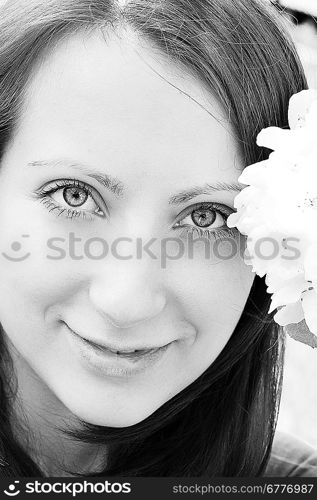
(298, 413)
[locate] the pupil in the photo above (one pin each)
(75, 196)
(203, 217)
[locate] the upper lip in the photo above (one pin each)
(117, 347)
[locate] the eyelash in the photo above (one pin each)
(218, 233)
(51, 205)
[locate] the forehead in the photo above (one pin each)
(121, 103)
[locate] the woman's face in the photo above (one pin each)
(94, 224)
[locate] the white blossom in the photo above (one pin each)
(279, 204)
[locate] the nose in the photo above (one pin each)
(127, 298)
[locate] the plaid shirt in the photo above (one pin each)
(291, 457)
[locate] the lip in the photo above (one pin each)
(116, 348)
(102, 359)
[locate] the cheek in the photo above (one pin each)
(30, 282)
(27, 275)
(27, 291)
(33, 273)
(214, 293)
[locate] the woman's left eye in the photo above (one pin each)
(66, 196)
(206, 220)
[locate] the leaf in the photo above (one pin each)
(301, 333)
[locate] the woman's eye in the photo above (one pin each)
(66, 197)
(206, 219)
(75, 197)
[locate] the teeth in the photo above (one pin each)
(125, 352)
(128, 352)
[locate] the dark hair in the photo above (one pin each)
(224, 422)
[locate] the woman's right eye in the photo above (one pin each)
(66, 196)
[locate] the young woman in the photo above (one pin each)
(124, 127)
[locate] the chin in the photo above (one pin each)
(111, 418)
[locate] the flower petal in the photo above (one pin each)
(310, 263)
(292, 313)
(309, 304)
(299, 105)
(273, 138)
(289, 293)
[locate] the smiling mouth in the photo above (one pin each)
(118, 363)
(124, 352)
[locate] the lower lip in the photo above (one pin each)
(113, 364)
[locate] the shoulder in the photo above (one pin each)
(291, 456)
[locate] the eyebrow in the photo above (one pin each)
(111, 183)
(117, 187)
(184, 196)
